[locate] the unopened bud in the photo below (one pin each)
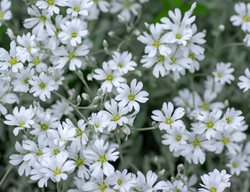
(105, 44)
(162, 172)
(85, 96)
(221, 28)
(78, 99)
(111, 33)
(180, 168)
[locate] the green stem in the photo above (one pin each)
(5, 175)
(73, 105)
(144, 129)
(84, 82)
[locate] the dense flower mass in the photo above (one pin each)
(95, 97)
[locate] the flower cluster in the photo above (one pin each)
(174, 45)
(86, 100)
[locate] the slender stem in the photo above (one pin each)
(58, 187)
(232, 44)
(144, 129)
(88, 107)
(73, 105)
(84, 82)
(5, 175)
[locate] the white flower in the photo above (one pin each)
(109, 77)
(177, 185)
(155, 42)
(17, 159)
(237, 164)
(78, 7)
(36, 151)
(99, 121)
(223, 73)
(100, 153)
(209, 123)
(168, 117)
(40, 22)
(194, 150)
(149, 183)
(22, 119)
(215, 181)
(23, 77)
(125, 9)
(122, 181)
(243, 16)
(132, 96)
(50, 5)
(5, 13)
(245, 81)
(122, 62)
(71, 55)
(14, 59)
(246, 40)
(73, 31)
(42, 86)
(61, 108)
(66, 132)
(56, 168)
(179, 30)
(100, 5)
(6, 97)
(116, 114)
(175, 137)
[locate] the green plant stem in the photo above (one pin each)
(84, 82)
(144, 129)
(73, 105)
(5, 175)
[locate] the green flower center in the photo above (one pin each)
(119, 182)
(228, 120)
(74, 34)
(235, 164)
(205, 106)
(168, 121)
(76, 9)
(39, 153)
(42, 85)
(192, 56)
(225, 140)
(120, 65)
(172, 59)
(102, 159)
(109, 77)
(79, 132)
(79, 162)
(131, 97)
(196, 143)
(51, 2)
(13, 61)
(127, 4)
(1, 15)
(219, 75)
(246, 18)
(213, 189)
(178, 137)
(116, 117)
(42, 18)
(103, 187)
(57, 171)
(36, 61)
(44, 127)
(71, 56)
(26, 80)
(210, 124)
(161, 58)
(21, 124)
(178, 36)
(156, 44)
(56, 151)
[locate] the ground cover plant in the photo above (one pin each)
(124, 95)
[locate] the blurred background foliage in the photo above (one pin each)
(143, 150)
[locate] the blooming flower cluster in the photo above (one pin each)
(85, 108)
(174, 45)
